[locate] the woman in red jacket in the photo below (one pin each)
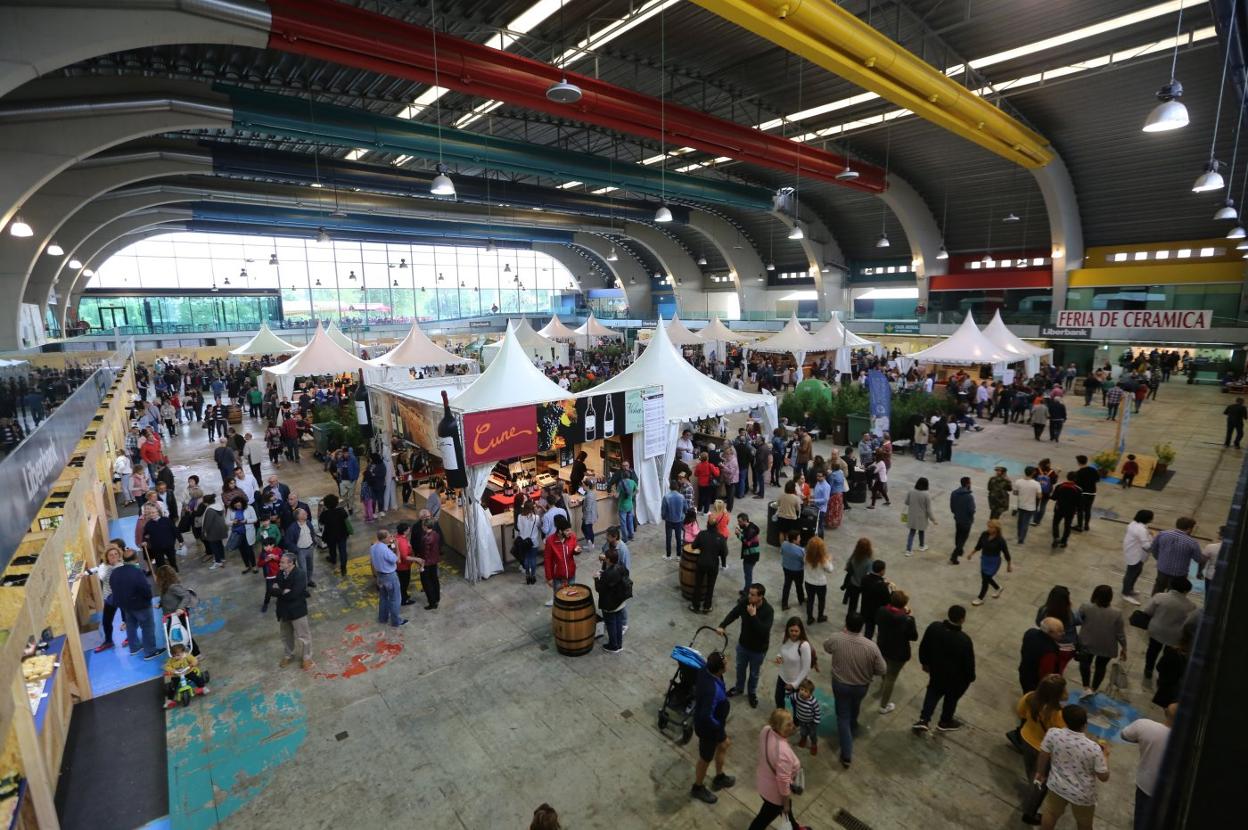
(705, 473)
(559, 554)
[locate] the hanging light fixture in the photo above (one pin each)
(1170, 113)
(663, 214)
(273, 258)
(507, 268)
(337, 213)
(1236, 232)
(442, 184)
(771, 266)
(19, 228)
(225, 281)
(701, 259)
(883, 242)
(942, 254)
(394, 283)
(242, 273)
(318, 281)
(88, 273)
(1227, 211)
(1211, 179)
(214, 287)
(849, 174)
(612, 256)
(490, 247)
(351, 275)
(402, 263)
(322, 236)
(1011, 217)
(563, 92)
(74, 264)
(54, 249)
(796, 232)
(1242, 246)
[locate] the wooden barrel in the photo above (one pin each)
(688, 571)
(234, 414)
(572, 619)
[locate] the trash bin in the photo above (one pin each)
(773, 527)
(856, 425)
(321, 434)
(857, 492)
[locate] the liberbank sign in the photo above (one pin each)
(1182, 319)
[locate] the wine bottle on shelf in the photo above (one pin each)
(608, 420)
(362, 411)
(451, 447)
(591, 420)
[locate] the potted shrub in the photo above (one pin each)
(1165, 457)
(1106, 462)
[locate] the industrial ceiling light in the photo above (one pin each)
(507, 268)
(55, 250)
(74, 264)
(225, 281)
(395, 283)
(273, 258)
(337, 213)
(322, 236)
(88, 273)
(771, 266)
(1236, 232)
(442, 184)
(402, 263)
(663, 214)
(849, 174)
(563, 92)
(988, 261)
(796, 232)
(612, 256)
(214, 287)
(882, 242)
(701, 259)
(942, 254)
(19, 228)
(1211, 179)
(1011, 217)
(317, 185)
(490, 247)
(658, 276)
(242, 273)
(318, 281)
(351, 275)
(1242, 246)
(1170, 113)
(1227, 211)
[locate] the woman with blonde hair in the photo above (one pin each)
(815, 574)
(718, 518)
(992, 548)
(777, 772)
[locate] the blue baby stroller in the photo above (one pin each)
(678, 703)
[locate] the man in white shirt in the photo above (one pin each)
(1027, 489)
(684, 447)
(1070, 764)
(122, 470)
(563, 382)
(1152, 738)
(254, 452)
(245, 481)
(1135, 544)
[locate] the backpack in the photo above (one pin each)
(626, 585)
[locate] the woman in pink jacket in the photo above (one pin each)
(778, 766)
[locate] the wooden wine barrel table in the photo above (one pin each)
(572, 620)
(688, 571)
(234, 414)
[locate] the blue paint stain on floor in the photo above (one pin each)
(117, 668)
(224, 751)
(1107, 716)
(123, 529)
(982, 461)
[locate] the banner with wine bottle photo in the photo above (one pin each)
(589, 419)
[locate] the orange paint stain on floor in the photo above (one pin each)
(361, 651)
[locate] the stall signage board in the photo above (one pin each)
(635, 410)
(1081, 332)
(901, 328)
(655, 422)
(500, 433)
(419, 422)
(592, 417)
(1183, 319)
(479, 324)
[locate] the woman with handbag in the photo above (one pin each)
(528, 537)
(1102, 636)
(779, 774)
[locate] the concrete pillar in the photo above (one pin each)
(747, 266)
(1065, 225)
(53, 125)
(921, 229)
(626, 270)
(675, 260)
(38, 37)
(93, 246)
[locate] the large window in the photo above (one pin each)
(353, 282)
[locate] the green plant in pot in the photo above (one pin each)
(1165, 457)
(1106, 462)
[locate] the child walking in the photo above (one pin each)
(1130, 469)
(182, 663)
(271, 559)
(806, 714)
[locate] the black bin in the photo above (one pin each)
(857, 488)
(808, 523)
(773, 527)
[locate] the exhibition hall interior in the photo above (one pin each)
(622, 414)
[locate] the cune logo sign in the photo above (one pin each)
(500, 433)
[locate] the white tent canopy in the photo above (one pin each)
(687, 396)
(792, 339)
(997, 332)
(322, 356)
(680, 335)
(834, 335)
(716, 330)
(556, 330)
(335, 334)
(965, 347)
(592, 328)
(417, 351)
(533, 344)
(265, 342)
(511, 379)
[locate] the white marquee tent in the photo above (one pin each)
(687, 396)
(680, 335)
(718, 334)
(265, 342)
(592, 328)
(416, 351)
(556, 330)
(997, 332)
(834, 335)
(792, 339)
(322, 356)
(536, 346)
(965, 347)
(335, 334)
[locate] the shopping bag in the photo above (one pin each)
(1119, 677)
(905, 518)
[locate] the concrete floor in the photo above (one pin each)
(468, 717)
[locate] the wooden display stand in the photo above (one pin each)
(47, 588)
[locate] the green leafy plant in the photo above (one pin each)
(1106, 461)
(344, 427)
(1165, 453)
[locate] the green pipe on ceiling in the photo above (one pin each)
(299, 119)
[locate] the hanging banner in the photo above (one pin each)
(416, 423)
(881, 396)
(499, 434)
(592, 417)
(1137, 319)
(654, 419)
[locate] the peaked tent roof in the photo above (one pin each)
(680, 335)
(595, 329)
(416, 350)
(265, 342)
(966, 346)
(834, 335)
(791, 338)
(556, 330)
(997, 332)
(716, 330)
(687, 393)
(511, 379)
(322, 356)
(336, 334)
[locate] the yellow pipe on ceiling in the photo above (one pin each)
(835, 39)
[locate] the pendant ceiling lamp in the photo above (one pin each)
(612, 256)
(942, 254)
(19, 228)
(273, 258)
(1170, 113)
(55, 250)
(1228, 211)
(1211, 179)
(663, 214)
(441, 184)
(796, 232)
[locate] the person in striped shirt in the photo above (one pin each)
(806, 714)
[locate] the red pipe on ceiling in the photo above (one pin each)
(333, 32)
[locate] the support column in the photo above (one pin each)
(746, 264)
(921, 229)
(1065, 225)
(626, 270)
(675, 260)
